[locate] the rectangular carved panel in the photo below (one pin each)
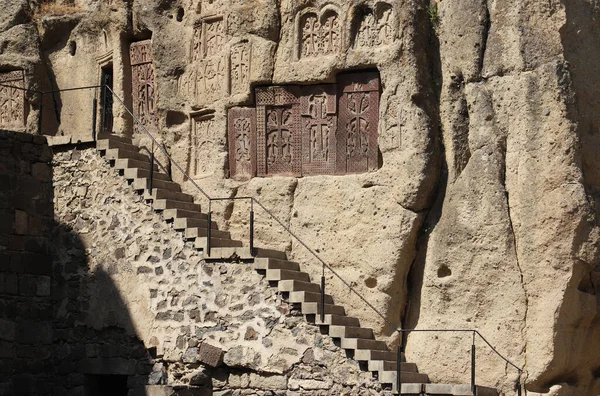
(202, 146)
(318, 108)
(357, 122)
(142, 81)
(12, 100)
(279, 143)
(241, 126)
(239, 68)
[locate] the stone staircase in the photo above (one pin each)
(186, 217)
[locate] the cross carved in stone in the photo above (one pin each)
(311, 36)
(331, 34)
(357, 143)
(145, 93)
(242, 135)
(279, 136)
(319, 128)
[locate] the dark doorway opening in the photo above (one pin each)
(106, 385)
(106, 118)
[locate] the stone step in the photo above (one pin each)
(181, 223)
(391, 365)
(141, 184)
(337, 320)
(159, 193)
(243, 253)
(389, 377)
(171, 214)
(314, 308)
(350, 332)
(197, 232)
(163, 204)
(112, 136)
(137, 173)
(364, 355)
(200, 243)
(128, 163)
(114, 154)
(304, 296)
(416, 389)
(283, 274)
(296, 285)
(361, 343)
(265, 263)
(107, 144)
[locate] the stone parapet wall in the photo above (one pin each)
(25, 263)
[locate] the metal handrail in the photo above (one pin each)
(298, 239)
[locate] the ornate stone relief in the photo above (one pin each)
(278, 128)
(241, 125)
(318, 108)
(239, 67)
(358, 122)
(319, 34)
(202, 147)
(142, 78)
(209, 38)
(12, 100)
(307, 130)
(376, 28)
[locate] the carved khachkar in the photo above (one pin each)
(278, 128)
(142, 80)
(210, 77)
(320, 35)
(201, 145)
(241, 126)
(239, 67)
(318, 108)
(209, 38)
(12, 100)
(375, 29)
(358, 110)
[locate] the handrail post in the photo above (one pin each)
(208, 228)
(252, 227)
(323, 294)
(473, 387)
(151, 171)
(94, 115)
(519, 384)
(41, 113)
(399, 362)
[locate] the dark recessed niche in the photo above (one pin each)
(72, 48)
(370, 282)
(180, 14)
(444, 271)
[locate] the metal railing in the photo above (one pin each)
(253, 201)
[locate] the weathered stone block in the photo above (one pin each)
(21, 222)
(210, 355)
(41, 172)
(27, 285)
(43, 286)
(268, 382)
(7, 330)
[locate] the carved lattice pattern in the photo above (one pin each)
(318, 109)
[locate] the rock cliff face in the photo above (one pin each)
(461, 194)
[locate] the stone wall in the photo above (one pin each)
(25, 263)
(215, 325)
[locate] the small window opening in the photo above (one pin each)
(72, 48)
